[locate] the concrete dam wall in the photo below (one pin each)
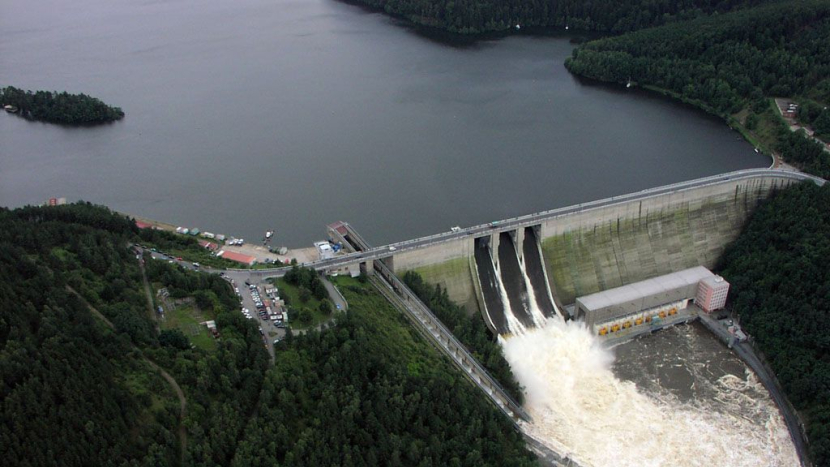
(608, 243)
(617, 245)
(449, 265)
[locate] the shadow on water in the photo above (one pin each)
(475, 41)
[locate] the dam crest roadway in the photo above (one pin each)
(777, 178)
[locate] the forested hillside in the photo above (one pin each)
(59, 107)
(617, 16)
(73, 391)
(80, 389)
(780, 280)
(76, 392)
(730, 65)
(470, 330)
(370, 391)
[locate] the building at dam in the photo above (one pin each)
(652, 301)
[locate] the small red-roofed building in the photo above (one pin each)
(238, 257)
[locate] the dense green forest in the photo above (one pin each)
(370, 391)
(617, 16)
(780, 282)
(79, 388)
(730, 65)
(470, 330)
(76, 392)
(59, 107)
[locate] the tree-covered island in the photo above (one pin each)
(58, 107)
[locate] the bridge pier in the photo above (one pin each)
(518, 241)
(494, 248)
(367, 267)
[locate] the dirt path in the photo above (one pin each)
(164, 374)
(148, 292)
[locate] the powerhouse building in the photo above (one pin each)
(650, 300)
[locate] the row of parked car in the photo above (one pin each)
(264, 308)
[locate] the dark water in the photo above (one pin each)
(289, 114)
(489, 287)
(685, 361)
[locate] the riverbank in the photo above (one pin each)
(260, 252)
(765, 147)
(747, 353)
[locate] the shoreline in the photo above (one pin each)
(747, 354)
(259, 251)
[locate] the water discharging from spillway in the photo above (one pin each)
(581, 409)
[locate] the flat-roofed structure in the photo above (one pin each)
(658, 296)
(238, 257)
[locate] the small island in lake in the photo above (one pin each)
(55, 107)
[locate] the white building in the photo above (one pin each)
(324, 249)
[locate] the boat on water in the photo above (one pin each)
(10, 109)
(268, 235)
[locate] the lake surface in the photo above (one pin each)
(250, 115)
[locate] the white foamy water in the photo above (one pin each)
(513, 323)
(581, 409)
(535, 313)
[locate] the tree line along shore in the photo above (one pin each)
(729, 57)
(58, 107)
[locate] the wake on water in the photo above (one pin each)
(581, 409)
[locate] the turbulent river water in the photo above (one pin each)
(677, 399)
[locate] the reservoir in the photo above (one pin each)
(253, 115)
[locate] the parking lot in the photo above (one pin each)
(253, 306)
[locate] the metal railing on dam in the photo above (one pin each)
(371, 254)
(446, 341)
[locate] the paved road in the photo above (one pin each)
(339, 302)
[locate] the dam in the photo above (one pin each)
(536, 266)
